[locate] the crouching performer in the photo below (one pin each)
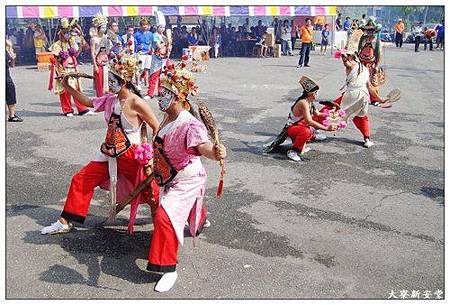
(303, 122)
(126, 115)
(178, 145)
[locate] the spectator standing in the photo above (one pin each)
(418, 35)
(28, 45)
(294, 35)
(286, 45)
(215, 41)
(399, 29)
(339, 22)
(10, 88)
(440, 35)
(144, 40)
(325, 40)
(347, 24)
(306, 32)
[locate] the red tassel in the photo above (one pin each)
(52, 75)
(220, 189)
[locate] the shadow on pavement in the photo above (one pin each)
(103, 250)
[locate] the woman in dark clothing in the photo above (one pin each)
(10, 88)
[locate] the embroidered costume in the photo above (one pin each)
(180, 174)
(116, 167)
(64, 61)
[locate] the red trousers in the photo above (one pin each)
(162, 256)
(300, 133)
(98, 82)
(93, 174)
(66, 103)
(153, 84)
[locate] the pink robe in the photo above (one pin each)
(182, 198)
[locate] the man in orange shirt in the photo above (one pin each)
(306, 33)
(399, 29)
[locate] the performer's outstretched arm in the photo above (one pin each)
(214, 152)
(82, 98)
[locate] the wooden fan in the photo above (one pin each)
(210, 124)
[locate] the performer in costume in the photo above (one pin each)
(100, 48)
(160, 57)
(115, 41)
(369, 54)
(178, 145)
(126, 115)
(355, 99)
(300, 120)
(65, 51)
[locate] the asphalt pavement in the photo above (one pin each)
(349, 223)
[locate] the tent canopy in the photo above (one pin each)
(117, 11)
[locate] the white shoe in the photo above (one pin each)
(166, 282)
(207, 224)
(320, 137)
(306, 149)
(293, 155)
(90, 112)
(368, 143)
(69, 115)
(147, 98)
(57, 228)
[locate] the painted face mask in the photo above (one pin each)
(114, 84)
(165, 100)
(102, 29)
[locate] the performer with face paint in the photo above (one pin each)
(178, 145)
(65, 52)
(126, 115)
(100, 48)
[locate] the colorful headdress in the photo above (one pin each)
(308, 84)
(99, 20)
(124, 66)
(179, 80)
(64, 24)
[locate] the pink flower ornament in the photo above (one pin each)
(342, 125)
(326, 123)
(341, 112)
(143, 153)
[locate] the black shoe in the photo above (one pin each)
(307, 66)
(15, 119)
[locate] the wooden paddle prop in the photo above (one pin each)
(75, 74)
(210, 124)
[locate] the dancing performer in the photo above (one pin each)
(300, 120)
(65, 51)
(355, 99)
(126, 115)
(160, 57)
(100, 48)
(144, 39)
(178, 145)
